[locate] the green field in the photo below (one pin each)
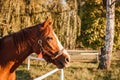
(76, 71)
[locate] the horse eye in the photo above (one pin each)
(49, 38)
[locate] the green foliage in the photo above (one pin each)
(117, 27)
(94, 23)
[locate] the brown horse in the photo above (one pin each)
(40, 38)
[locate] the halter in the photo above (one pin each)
(59, 53)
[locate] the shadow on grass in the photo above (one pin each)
(23, 75)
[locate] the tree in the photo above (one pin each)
(106, 51)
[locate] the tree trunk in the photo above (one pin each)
(106, 52)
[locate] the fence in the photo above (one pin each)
(30, 57)
(84, 55)
(47, 74)
(76, 55)
(50, 73)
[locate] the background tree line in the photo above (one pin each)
(93, 24)
(77, 26)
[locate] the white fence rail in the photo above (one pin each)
(47, 74)
(30, 57)
(84, 55)
(50, 73)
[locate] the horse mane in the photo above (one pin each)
(22, 37)
(2, 39)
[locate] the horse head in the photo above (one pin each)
(50, 46)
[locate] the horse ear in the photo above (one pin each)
(47, 23)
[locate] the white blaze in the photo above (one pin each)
(59, 44)
(67, 58)
(61, 47)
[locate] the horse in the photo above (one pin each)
(39, 39)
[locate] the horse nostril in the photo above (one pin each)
(67, 60)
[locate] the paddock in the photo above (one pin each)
(76, 55)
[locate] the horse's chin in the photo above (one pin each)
(61, 65)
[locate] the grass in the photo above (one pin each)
(76, 71)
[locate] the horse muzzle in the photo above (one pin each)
(63, 60)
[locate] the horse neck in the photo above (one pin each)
(25, 38)
(24, 41)
(25, 45)
(20, 47)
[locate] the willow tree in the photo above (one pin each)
(18, 14)
(106, 52)
(68, 22)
